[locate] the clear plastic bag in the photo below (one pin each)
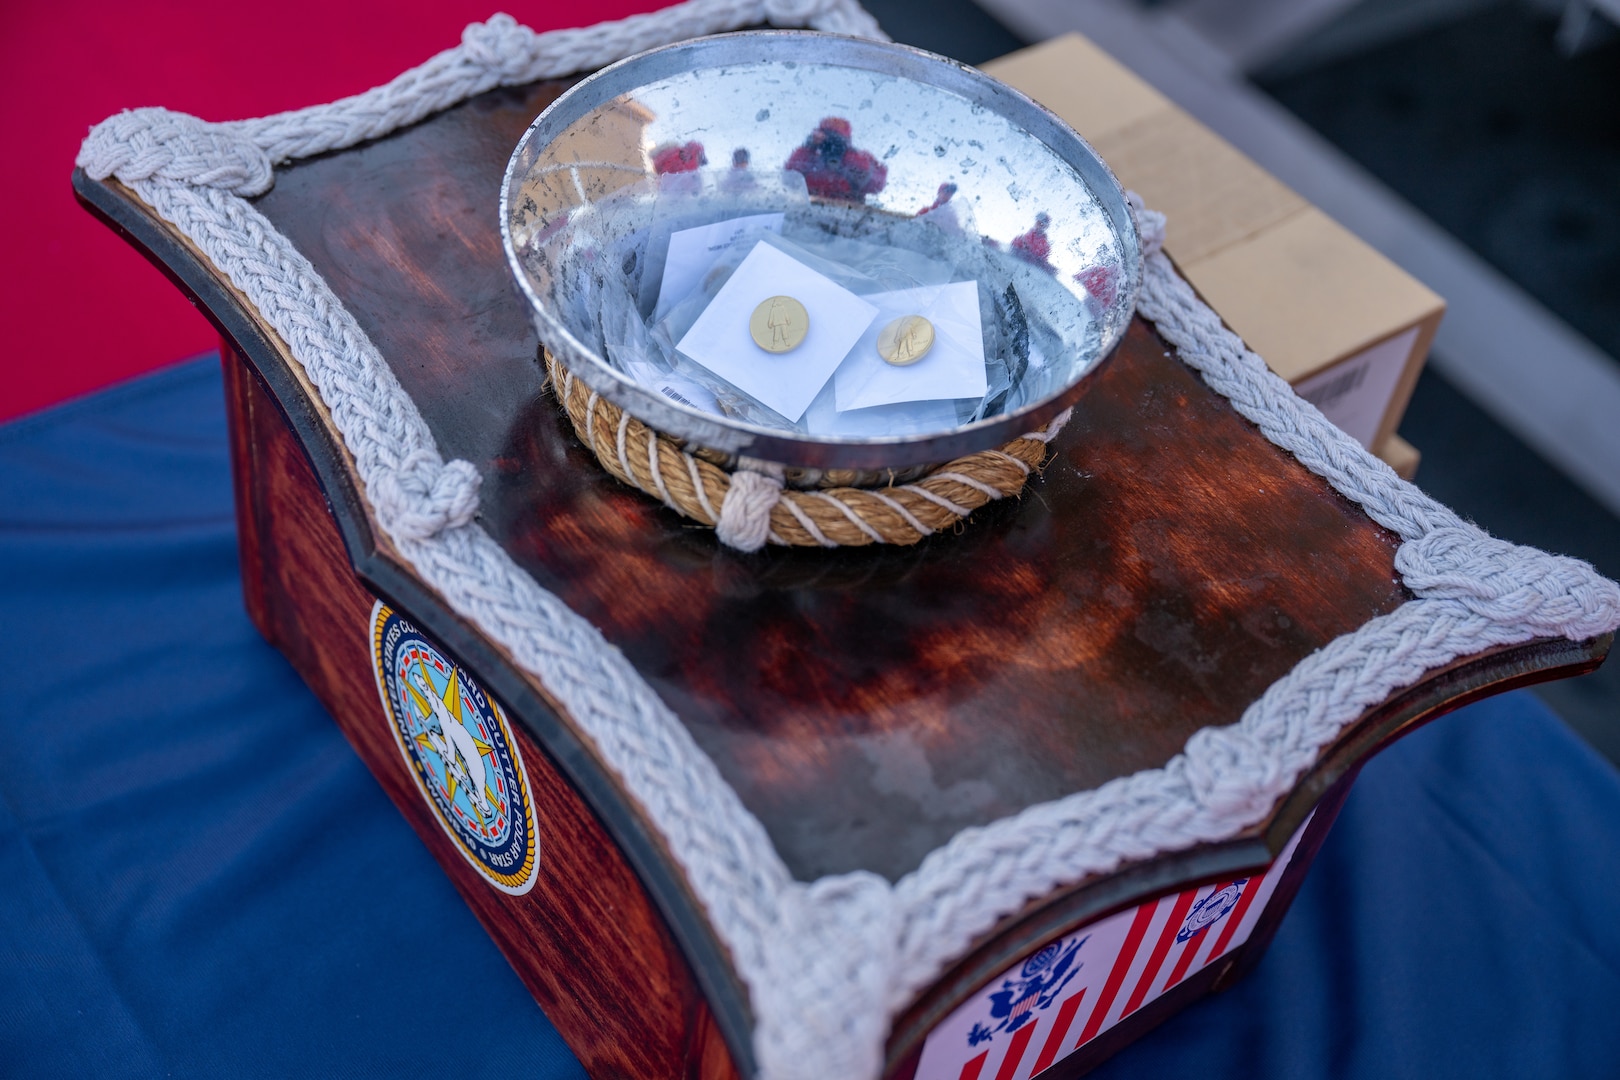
(653, 283)
(690, 201)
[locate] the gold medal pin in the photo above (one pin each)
(906, 340)
(779, 324)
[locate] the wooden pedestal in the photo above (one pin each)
(866, 705)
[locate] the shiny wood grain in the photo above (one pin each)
(1168, 565)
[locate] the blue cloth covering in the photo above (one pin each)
(199, 878)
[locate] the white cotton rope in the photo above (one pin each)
(808, 525)
(854, 518)
(968, 481)
(745, 512)
(697, 486)
(827, 964)
(906, 515)
(938, 500)
(1008, 457)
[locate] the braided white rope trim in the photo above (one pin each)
(827, 964)
(1475, 593)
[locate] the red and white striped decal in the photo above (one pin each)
(1126, 961)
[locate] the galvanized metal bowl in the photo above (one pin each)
(577, 197)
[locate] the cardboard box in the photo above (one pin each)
(1401, 456)
(1347, 327)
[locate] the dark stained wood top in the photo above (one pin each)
(867, 705)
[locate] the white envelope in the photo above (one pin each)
(953, 368)
(692, 252)
(786, 382)
(910, 418)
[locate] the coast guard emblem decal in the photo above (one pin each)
(1211, 908)
(459, 747)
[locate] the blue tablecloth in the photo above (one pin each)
(199, 878)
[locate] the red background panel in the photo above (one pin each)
(80, 309)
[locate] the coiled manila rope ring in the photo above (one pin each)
(748, 509)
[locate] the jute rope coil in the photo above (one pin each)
(749, 508)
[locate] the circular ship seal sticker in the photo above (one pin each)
(459, 747)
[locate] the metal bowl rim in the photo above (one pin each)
(774, 444)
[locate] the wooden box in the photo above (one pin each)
(863, 707)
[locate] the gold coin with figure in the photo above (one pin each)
(906, 340)
(779, 324)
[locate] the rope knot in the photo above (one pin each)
(502, 45)
(142, 143)
(835, 941)
(1149, 225)
(1504, 582)
(745, 515)
(426, 495)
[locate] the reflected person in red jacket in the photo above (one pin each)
(1034, 246)
(833, 168)
(671, 159)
